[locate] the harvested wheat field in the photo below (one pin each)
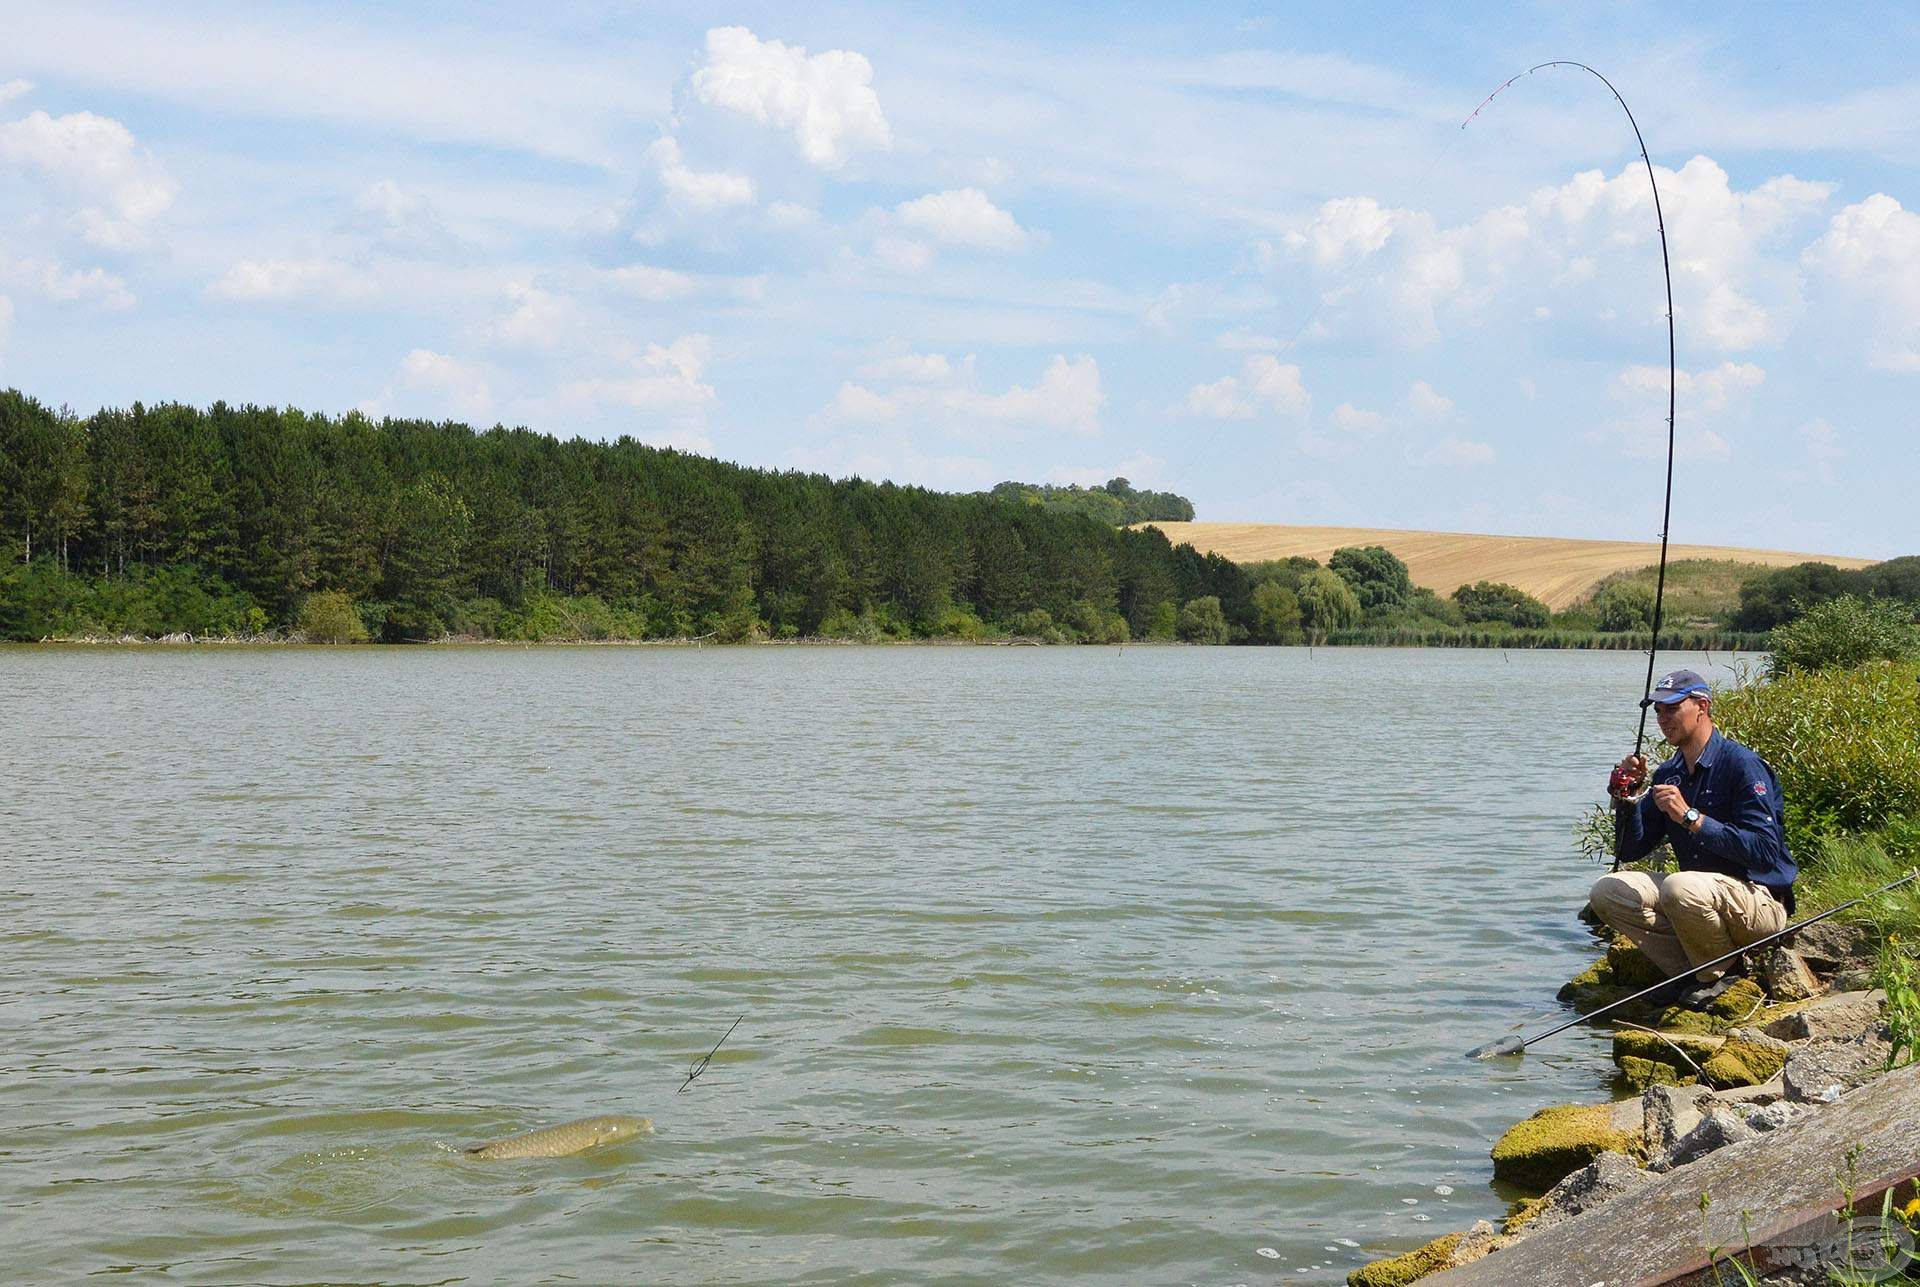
(1558, 572)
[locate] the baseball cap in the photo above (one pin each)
(1677, 686)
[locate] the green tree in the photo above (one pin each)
(329, 617)
(1498, 601)
(1276, 614)
(1845, 632)
(424, 582)
(1327, 602)
(1378, 578)
(1624, 605)
(1202, 621)
(1776, 597)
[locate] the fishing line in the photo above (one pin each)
(1666, 267)
(700, 1065)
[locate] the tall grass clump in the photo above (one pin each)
(1845, 744)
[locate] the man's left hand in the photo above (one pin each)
(1667, 799)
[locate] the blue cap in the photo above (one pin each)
(1677, 687)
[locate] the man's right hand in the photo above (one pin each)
(1627, 777)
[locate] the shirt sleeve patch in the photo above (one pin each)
(1759, 788)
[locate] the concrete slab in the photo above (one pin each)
(1767, 1192)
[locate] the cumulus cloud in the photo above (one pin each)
(963, 217)
(6, 320)
(1865, 268)
(1580, 251)
(1356, 420)
(400, 220)
(1068, 397)
(1424, 402)
(433, 386)
(536, 318)
(262, 281)
(1142, 469)
(901, 366)
(1706, 391)
(1265, 384)
(89, 285)
(116, 190)
(826, 101)
(1720, 394)
(1242, 340)
(661, 379)
(656, 285)
(697, 190)
(10, 90)
(1458, 452)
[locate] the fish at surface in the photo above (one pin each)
(566, 1139)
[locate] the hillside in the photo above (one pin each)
(1557, 571)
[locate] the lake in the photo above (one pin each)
(1056, 964)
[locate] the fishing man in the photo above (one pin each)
(1718, 804)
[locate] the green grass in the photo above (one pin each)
(1700, 592)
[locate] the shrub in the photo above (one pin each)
(329, 617)
(1845, 632)
(1276, 613)
(1498, 601)
(1165, 622)
(1202, 621)
(1845, 744)
(1624, 605)
(1375, 573)
(859, 627)
(1327, 602)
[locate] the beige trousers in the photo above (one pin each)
(1685, 917)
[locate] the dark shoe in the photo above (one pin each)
(1670, 992)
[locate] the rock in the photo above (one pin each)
(1838, 1014)
(1718, 1128)
(1765, 1093)
(1476, 1243)
(1684, 1053)
(1739, 1002)
(1787, 976)
(1773, 1116)
(1547, 1147)
(1418, 1263)
(1857, 979)
(1824, 1070)
(1675, 1019)
(1631, 968)
(1831, 947)
(1669, 1113)
(1749, 1058)
(1604, 1178)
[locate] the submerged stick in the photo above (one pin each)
(1514, 1045)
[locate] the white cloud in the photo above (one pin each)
(1243, 340)
(825, 100)
(13, 89)
(1720, 394)
(1706, 392)
(433, 386)
(1264, 384)
(1355, 420)
(117, 189)
(536, 319)
(697, 190)
(1821, 443)
(791, 214)
(1424, 402)
(1142, 469)
(963, 217)
(656, 285)
(90, 285)
(904, 367)
(1866, 269)
(1068, 396)
(400, 219)
(902, 254)
(1458, 452)
(6, 320)
(664, 379)
(257, 281)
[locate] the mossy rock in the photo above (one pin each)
(1742, 1063)
(1738, 1002)
(1521, 1212)
(1592, 988)
(1642, 1073)
(1675, 1019)
(1418, 1263)
(1631, 968)
(1555, 1142)
(1660, 1048)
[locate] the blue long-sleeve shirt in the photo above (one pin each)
(1740, 828)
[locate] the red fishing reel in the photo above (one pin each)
(1626, 784)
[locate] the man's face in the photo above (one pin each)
(1680, 720)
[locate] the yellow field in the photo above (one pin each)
(1555, 571)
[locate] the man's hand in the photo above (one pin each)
(1667, 799)
(1627, 776)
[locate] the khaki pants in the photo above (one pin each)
(1685, 917)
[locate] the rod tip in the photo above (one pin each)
(1494, 1049)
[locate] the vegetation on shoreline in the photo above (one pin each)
(250, 522)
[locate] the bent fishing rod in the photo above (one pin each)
(1666, 266)
(1514, 1045)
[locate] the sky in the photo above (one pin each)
(1245, 252)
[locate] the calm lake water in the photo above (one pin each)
(1057, 965)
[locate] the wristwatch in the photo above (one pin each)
(1692, 819)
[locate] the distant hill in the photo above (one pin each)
(1117, 502)
(1557, 571)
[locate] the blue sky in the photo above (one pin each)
(1243, 251)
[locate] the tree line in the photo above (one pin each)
(234, 519)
